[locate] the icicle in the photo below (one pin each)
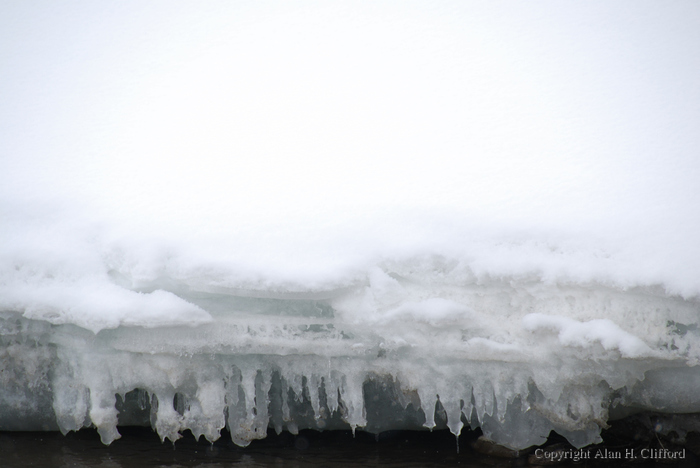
(154, 410)
(331, 386)
(232, 385)
(103, 414)
(500, 403)
(468, 406)
(454, 413)
(285, 405)
(167, 421)
(505, 394)
(205, 415)
(70, 404)
(297, 387)
(262, 401)
(292, 378)
(312, 383)
(248, 384)
(483, 400)
(351, 392)
(428, 399)
(238, 419)
(250, 422)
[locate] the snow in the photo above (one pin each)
(271, 214)
(603, 331)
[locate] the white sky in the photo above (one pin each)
(570, 115)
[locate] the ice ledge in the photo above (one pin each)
(327, 374)
(413, 346)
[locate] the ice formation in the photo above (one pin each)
(223, 215)
(407, 342)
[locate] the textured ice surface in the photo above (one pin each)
(326, 215)
(515, 356)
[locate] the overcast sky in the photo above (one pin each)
(563, 114)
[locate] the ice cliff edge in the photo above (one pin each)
(411, 345)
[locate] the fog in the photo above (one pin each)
(309, 133)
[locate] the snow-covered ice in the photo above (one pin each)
(557, 340)
(349, 216)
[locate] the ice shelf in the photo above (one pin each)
(413, 346)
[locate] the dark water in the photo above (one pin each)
(140, 447)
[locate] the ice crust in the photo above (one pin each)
(512, 330)
(414, 344)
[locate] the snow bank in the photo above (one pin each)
(385, 216)
(514, 355)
